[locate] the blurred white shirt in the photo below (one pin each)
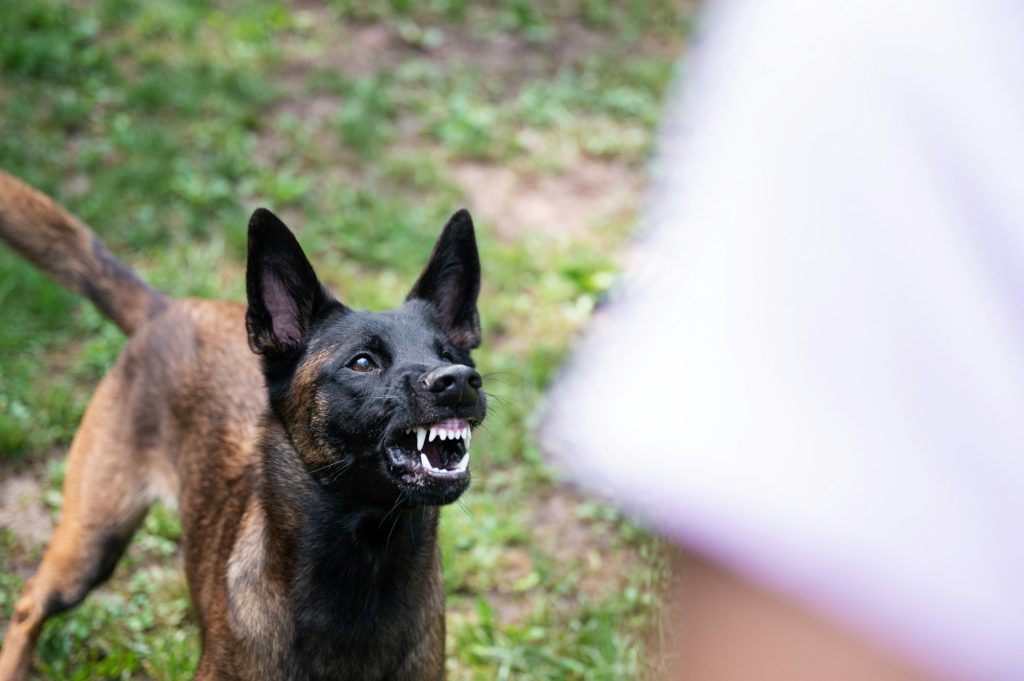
(814, 372)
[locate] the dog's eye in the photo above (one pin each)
(363, 364)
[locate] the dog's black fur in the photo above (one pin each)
(294, 322)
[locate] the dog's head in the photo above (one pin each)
(379, 405)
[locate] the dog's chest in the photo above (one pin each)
(336, 616)
(322, 644)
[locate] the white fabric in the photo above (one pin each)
(815, 374)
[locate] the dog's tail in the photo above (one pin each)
(66, 249)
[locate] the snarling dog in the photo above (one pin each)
(308, 446)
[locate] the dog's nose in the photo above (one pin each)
(455, 386)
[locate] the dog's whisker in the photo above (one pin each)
(344, 469)
(398, 517)
(496, 396)
(330, 465)
(491, 377)
(483, 427)
(397, 502)
(496, 413)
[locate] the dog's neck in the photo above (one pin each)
(357, 578)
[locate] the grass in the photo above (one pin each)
(164, 124)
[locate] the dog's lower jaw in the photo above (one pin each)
(359, 589)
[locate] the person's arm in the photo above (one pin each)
(723, 628)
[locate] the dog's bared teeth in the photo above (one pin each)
(433, 433)
(425, 462)
(463, 463)
(421, 438)
(467, 435)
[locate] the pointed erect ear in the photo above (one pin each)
(451, 281)
(284, 293)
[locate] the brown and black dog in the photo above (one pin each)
(308, 446)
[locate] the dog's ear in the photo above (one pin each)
(451, 281)
(284, 293)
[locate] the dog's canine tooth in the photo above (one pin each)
(463, 463)
(467, 435)
(421, 437)
(425, 462)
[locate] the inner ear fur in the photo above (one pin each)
(284, 294)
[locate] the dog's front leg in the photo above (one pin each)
(20, 641)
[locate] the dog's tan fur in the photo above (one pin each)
(68, 251)
(178, 416)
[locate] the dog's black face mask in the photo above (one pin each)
(380, 406)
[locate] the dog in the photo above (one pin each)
(308, 446)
